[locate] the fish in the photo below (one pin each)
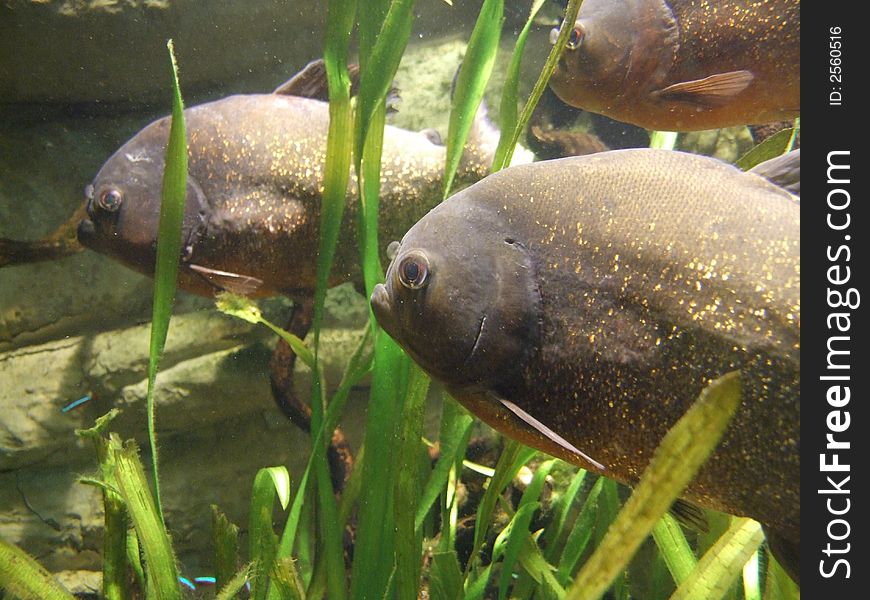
(580, 306)
(557, 143)
(255, 179)
(252, 211)
(683, 65)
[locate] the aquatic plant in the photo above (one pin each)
(168, 251)
(410, 535)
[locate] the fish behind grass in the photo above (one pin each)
(581, 305)
(683, 65)
(254, 190)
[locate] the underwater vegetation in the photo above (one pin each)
(417, 519)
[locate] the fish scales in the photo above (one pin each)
(681, 65)
(621, 284)
(256, 166)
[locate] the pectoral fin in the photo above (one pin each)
(714, 90)
(547, 432)
(244, 285)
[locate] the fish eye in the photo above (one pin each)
(575, 38)
(414, 271)
(110, 200)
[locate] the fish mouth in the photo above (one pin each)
(380, 303)
(86, 232)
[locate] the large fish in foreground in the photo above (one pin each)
(254, 186)
(581, 305)
(683, 65)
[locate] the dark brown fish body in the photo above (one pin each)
(254, 190)
(682, 65)
(581, 305)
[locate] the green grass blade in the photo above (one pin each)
(722, 564)
(339, 145)
(116, 520)
(384, 35)
(796, 131)
(517, 526)
(507, 113)
(581, 533)
(549, 66)
(339, 23)
(471, 82)
(262, 541)
(226, 548)
(357, 367)
(456, 429)
(445, 576)
(778, 585)
(161, 573)
(168, 253)
(516, 530)
(558, 530)
(777, 144)
(389, 494)
(235, 583)
(609, 505)
(513, 456)
(369, 200)
(134, 558)
(286, 580)
(517, 539)
(476, 586)
(410, 449)
(376, 537)
(663, 140)
(674, 548)
(541, 571)
(679, 456)
(22, 577)
(243, 308)
(751, 579)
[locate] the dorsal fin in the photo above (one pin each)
(783, 170)
(714, 90)
(310, 82)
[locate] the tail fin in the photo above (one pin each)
(60, 243)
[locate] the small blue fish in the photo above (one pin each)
(186, 582)
(76, 403)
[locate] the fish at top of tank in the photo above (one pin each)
(681, 65)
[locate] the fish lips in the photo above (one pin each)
(86, 233)
(380, 302)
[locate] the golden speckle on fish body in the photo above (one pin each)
(254, 192)
(610, 327)
(679, 65)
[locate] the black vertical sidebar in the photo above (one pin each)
(835, 347)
